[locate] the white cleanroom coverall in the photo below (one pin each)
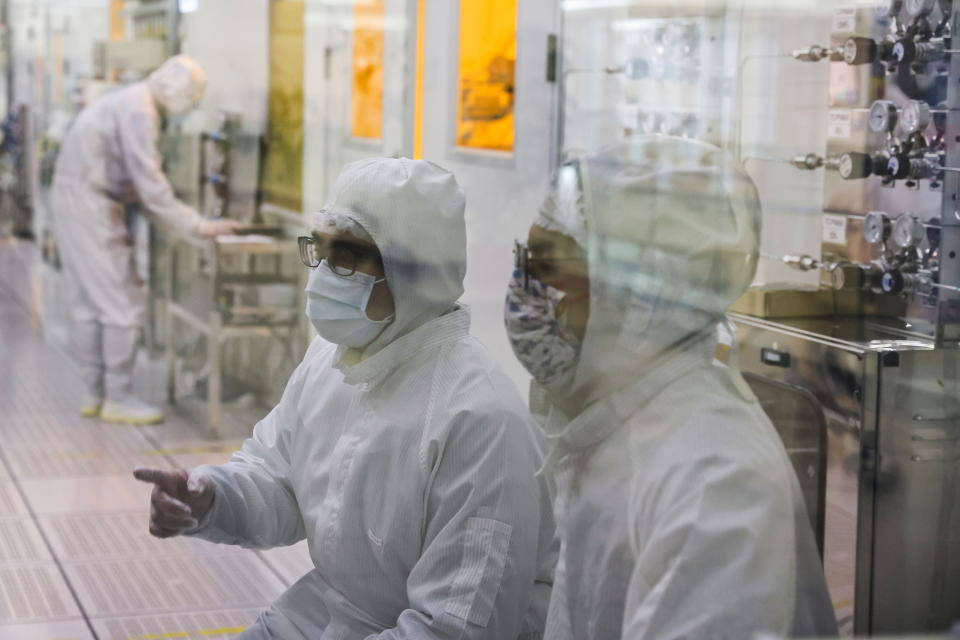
(678, 510)
(109, 158)
(409, 467)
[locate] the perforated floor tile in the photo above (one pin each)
(34, 593)
(162, 585)
(10, 502)
(65, 630)
(189, 626)
(118, 535)
(81, 454)
(94, 494)
(20, 542)
(75, 474)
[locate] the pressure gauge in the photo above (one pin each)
(915, 116)
(918, 8)
(907, 231)
(854, 165)
(858, 50)
(876, 227)
(883, 116)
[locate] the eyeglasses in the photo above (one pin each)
(538, 267)
(342, 257)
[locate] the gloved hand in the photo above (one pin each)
(179, 500)
(214, 228)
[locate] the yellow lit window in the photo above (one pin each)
(118, 30)
(488, 55)
(368, 68)
(283, 168)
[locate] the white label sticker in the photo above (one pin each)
(839, 124)
(845, 20)
(835, 229)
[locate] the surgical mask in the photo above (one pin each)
(337, 307)
(541, 341)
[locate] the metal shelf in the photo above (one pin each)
(216, 321)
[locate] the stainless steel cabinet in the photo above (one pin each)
(871, 420)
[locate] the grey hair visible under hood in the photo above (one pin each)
(673, 231)
(413, 210)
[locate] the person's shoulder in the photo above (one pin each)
(319, 351)
(703, 425)
(475, 370)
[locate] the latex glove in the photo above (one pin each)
(220, 227)
(179, 500)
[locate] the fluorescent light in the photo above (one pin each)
(188, 6)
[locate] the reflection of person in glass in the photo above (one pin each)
(399, 450)
(678, 509)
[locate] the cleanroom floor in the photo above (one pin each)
(76, 560)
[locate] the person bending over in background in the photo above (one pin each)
(110, 159)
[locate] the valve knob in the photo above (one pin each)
(854, 165)
(893, 282)
(898, 166)
(858, 50)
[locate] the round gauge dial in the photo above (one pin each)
(883, 116)
(876, 227)
(917, 8)
(850, 51)
(854, 165)
(907, 231)
(915, 116)
(845, 166)
(857, 50)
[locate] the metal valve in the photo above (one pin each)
(816, 53)
(907, 51)
(801, 263)
(858, 50)
(808, 162)
(847, 275)
(896, 282)
(855, 165)
(902, 167)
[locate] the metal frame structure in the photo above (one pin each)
(213, 318)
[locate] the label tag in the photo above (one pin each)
(845, 20)
(835, 229)
(839, 123)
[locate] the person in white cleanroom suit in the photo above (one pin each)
(109, 158)
(677, 508)
(399, 450)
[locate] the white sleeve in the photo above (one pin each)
(138, 131)
(478, 568)
(714, 554)
(254, 504)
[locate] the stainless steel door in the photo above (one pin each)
(916, 559)
(816, 394)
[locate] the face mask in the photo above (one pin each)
(337, 307)
(540, 340)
